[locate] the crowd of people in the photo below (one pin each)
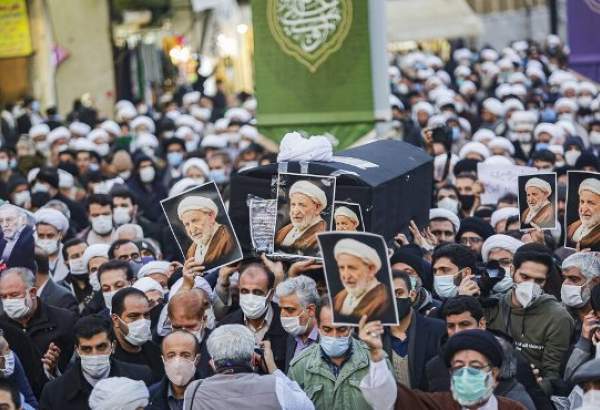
(101, 310)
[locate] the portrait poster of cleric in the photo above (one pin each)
(202, 227)
(582, 215)
(537, 201)
(304, 209)
(347, 216)
(359, 277)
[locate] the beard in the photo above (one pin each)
(590, 222)
(306, 221)
(204, 237)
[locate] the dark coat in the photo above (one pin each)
(158, 395)
(22, 251)
(150, 354)
(424, 336)
(276, 334)
(57, 296)
(72, 391)
(79, 219)
(148, 197)
(51, 324)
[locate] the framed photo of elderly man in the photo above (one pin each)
(359, 277)
(582, 214)
(347, 216)
(201, 226)
(537, 201)
(304, 209)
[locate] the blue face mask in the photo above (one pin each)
(174, 158)
(219, 176)
(334, 346)
(455, 133)
(471, 386)
(548, 115)
(541, 145)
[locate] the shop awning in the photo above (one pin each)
(430, 19)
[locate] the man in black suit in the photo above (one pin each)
(49, 292)
(94, 342)
(16, 237)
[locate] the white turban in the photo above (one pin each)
(551, 129)
(147, 284)
(499, 241)
(503, 214)
(98, 133)
(38, 130)
(353, 247)
(119, 393)
(494, 106)
(50, 216)
(311, 190)
(238, 114)
(145, 139)
(502, 143)
(587, 262)
(499, 160)
(474, 147)
(565, 103)
(197, 163)
(82, 144)
(111, 127)
(590, 184)
(183, 131)
(214, 141)
(143, 121)
(250, 132)
(539, 183)
(441, 213)
(153, 267)
(513, 104)
(95, 251)
(483, 134)
(65, 179)
(182, 185)
(196, 202)
(80, 128)
(191, 98)
(423, 106)
(56, 134)
(347, 212)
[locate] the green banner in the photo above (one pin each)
(313, 68)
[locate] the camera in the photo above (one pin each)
(488, 275)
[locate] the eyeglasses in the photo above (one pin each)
(472, 369)
(475, 240)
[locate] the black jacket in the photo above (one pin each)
(276, 334)
(158, 395)
(150, 356)
(51, 324)
(79, 219)
(424, 336)
(55, 295)
(71, 391)
(22, 251)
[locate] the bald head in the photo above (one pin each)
(179, 341)
(187, 309)
(258, 275)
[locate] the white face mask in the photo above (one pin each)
(22, 198)
(107, 296)
(450, 204)
(48, 245)
(4, 165)
(39, 187)
(102, 224)
(571, 157)
(121, 216)
(595, 137)
(504, 285)
(9, 364)
(444, 286)
(139, 332)
(94, 283)
(95, 366)
(253, 306)
(147, 174)
(125, 175)
(16, 308)
(527, 292)
(102, 149)
(591, 400)
(574, 296)
(292, 325)
(179, 370)
(77, 266)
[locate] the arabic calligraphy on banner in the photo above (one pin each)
(15, 39)
(310, 30)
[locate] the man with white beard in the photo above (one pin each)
(586, 230)
(306, 201)
(211, 241)
(540, 210)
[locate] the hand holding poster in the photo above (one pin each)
(582, 216)
(201, 226)
(537, 201)
(499, 180)
(359, 277)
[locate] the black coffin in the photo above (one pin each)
(390, 195)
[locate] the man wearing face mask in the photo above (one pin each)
(130, 317)
(48, 290)
(101, 231)
(412, 343)
(501, 248)
(540, 326)
(220, 167)
(334, 372)
(581, 272)
(180, 355)
(298, 298)
(126, 211)
(46, 325)
(146, 187)
(94, 348)
(587, 377)
(50, 226)
(12, 371)
(257, 311)
(113, 276)
(453, 268)
(78, 280)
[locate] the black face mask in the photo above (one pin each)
(403, 306)
(467, 201)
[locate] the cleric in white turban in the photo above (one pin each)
(306, 202)
(119, 393)
(540, 209)
(345, 219)
(363, 294)
(585, 231)
(212, 243)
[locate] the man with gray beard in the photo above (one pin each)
(586, 230)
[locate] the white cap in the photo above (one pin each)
(441, 213)
(358, 249)
(50, 216)
(143, 121)
(499, 241)
(238, 114)
(153, 267)
(98, 133)
(214, 141)
(197, 163)
(182, 185)
(119, 393)
(58, 133)
(502, 143)
(538, 183)
(39, 130)
(347, 212)
(249, 132)
(484, 135)
(145, 139)
(82, 144)
(513, 104)
(200, 113)
(311, 190)
(566, 103)
(503, 214)
(494, 106)
(489, 54)
(196, 202)
(222, 124)
(590, 184)
(423, 106)
(474, 147)
(191, 98)
(95, 251)
(545, 127)
(146, 284)
(111, 127)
